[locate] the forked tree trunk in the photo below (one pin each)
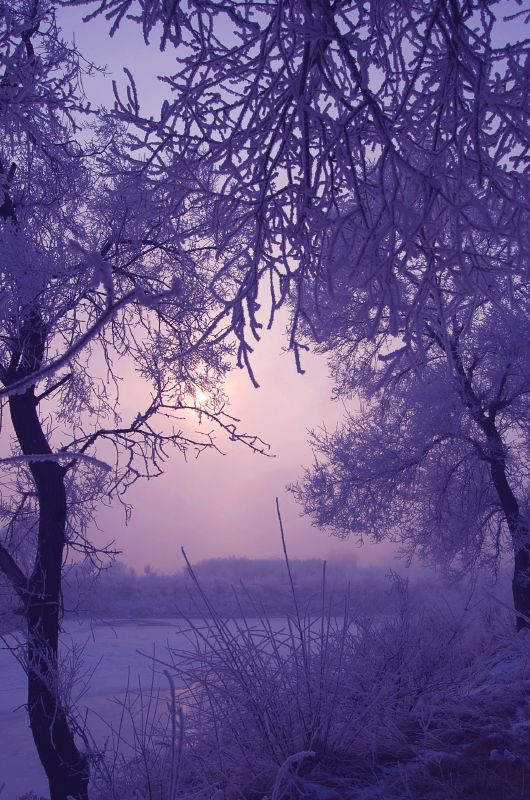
(66, 768)
(518, 524)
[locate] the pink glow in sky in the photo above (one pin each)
(220, 505)
(225, 505)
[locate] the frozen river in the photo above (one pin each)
(112, 651)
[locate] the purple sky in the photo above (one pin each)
(225, 505)
(215, 505)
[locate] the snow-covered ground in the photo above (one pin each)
(113, 651)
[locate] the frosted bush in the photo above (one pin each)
(419, 703)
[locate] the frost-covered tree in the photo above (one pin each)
(376, 151)
(436, 456)
(103, 285)
(404, 121)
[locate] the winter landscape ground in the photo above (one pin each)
(109, 660)
(427, 700)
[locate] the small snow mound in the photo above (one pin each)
(503, 756)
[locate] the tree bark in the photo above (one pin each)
(518, 524)
(519, 530)
(521, 585)
(66, 768)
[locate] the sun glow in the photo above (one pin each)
(201, 398)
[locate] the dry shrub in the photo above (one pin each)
(423, 703)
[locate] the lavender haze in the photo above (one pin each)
(219, 505)
(237, 516)
(223, 505)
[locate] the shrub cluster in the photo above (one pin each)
(419, 703)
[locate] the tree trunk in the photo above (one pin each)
(66, 768)
(518, 527)
(521, 585)
(518, 524)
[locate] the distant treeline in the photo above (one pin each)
(233, 586)
(236, 586)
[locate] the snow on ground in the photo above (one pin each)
(111, 649)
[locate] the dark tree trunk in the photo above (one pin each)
(66, 768)
(521, 585)
(518, 524)
(518, 527)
